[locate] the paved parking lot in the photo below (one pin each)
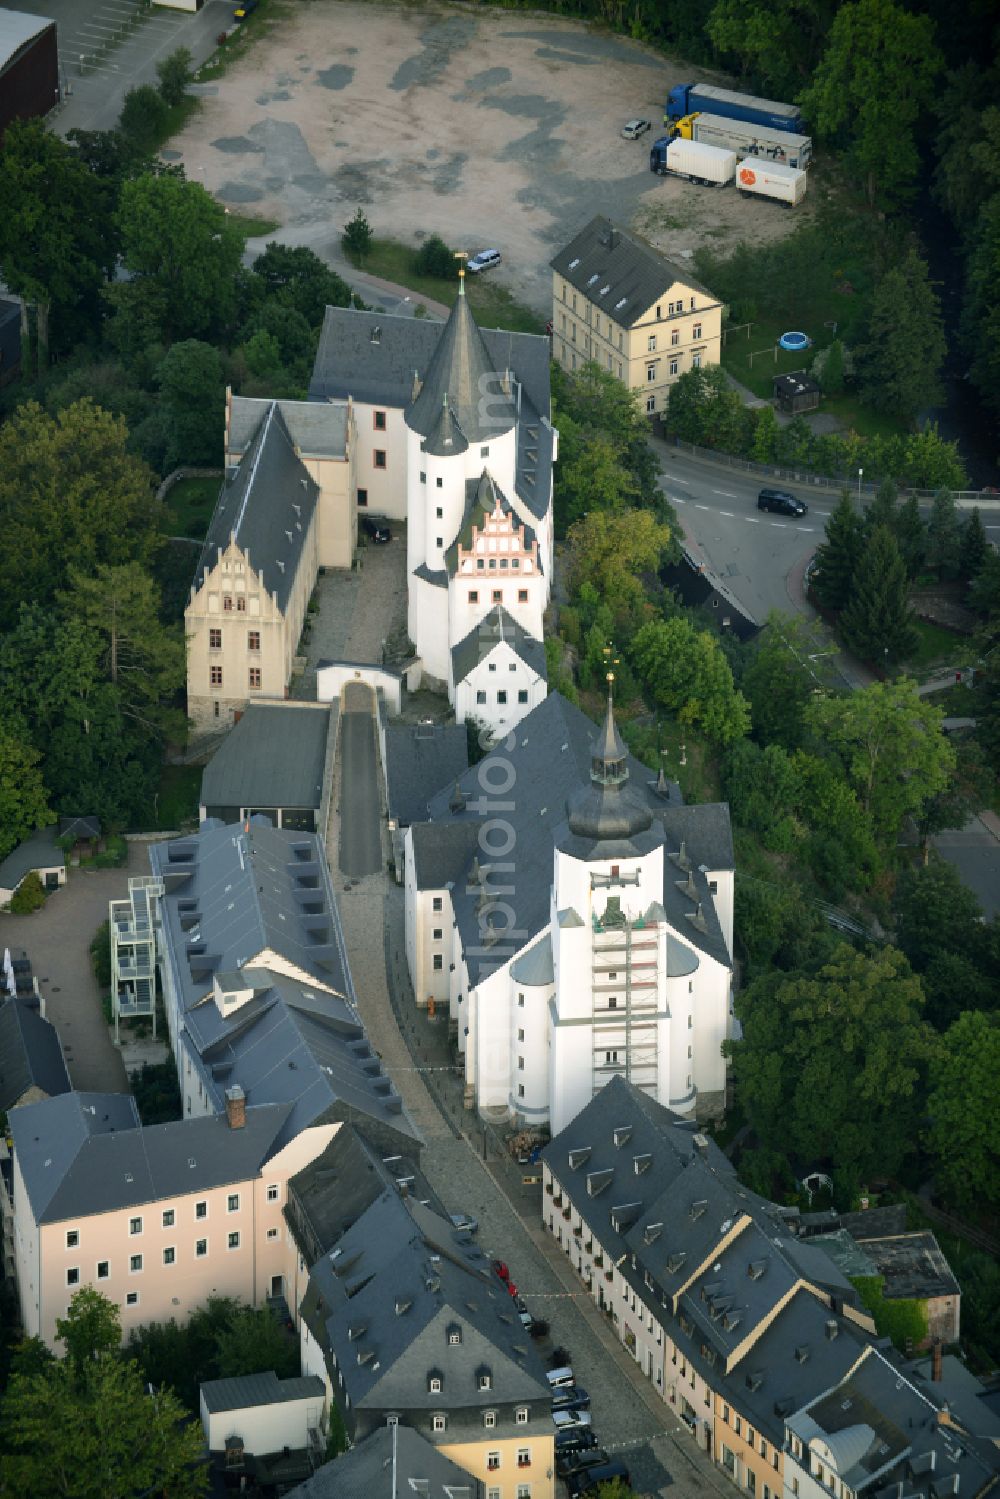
(57, 940)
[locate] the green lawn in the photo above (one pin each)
(493, 304)
(937, 647)
(189, 508)
(253, 29)
(250, 227)
(177, 800)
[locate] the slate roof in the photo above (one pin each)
(266, 507)
(481, 498)
(128, 1166)
(40, 851)
(337, 1186)
(660, 1200)
(374, 357)
(366, 1471)
(387, 1301)
(445, 438)
(536, 965)
(499, 627)
(274, 757)
(247, 1390)
(620, 273)
(30, 1053)
(463, 378)
(877, 1420)
(551, 757)
(419, 760)
(17, 29)
(317, 429)
(234, 896)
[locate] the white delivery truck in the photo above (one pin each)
(708, 165)
(785, 185)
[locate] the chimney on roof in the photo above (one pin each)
(831, 1329)
(236, 1107)
(700, 1143)
(417, 384)
(937, 1361)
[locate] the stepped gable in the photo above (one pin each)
(461, 372)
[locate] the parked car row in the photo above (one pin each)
(531, 1326)
(580, 1462)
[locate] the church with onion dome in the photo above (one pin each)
(574, 920)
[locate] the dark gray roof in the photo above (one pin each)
(462, 377)
(119, 1165)
(274, 757)
(247, 1390)
(375, 358)
(266, 507)
(805, 1350)
(232, 896)
(620, 273)
(551, 757)
(445, 438)
(438, 578)
(79, 827)
(366, 1471)
(442, 852)
(972, 1403)
(40, 851)
(419, 760)
(496, 628)
(30, 1054)
(912, 1265)
(337, 1186)
(317, 429)
(385, 1303)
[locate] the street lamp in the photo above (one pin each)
(860, 472)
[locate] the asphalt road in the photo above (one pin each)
(360, 834)
(759, 556)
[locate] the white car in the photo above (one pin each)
(634, 128)
(564, 1420)
(484, 261)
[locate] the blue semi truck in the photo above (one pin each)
(688, 98)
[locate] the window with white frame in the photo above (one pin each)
(492, 1462)
(272, 1193)
(135, 1264)
(168, 1218)
(72, 1238)
(524, 1457)
(103, 1269)
(272, 1233)
(134, 1226)
(489, 1419)
(233, 1202)
(200, 1248)
(438, 1422)
(524, 1491)
(234, 1241)
(201, 1209)
(169, 1255)
(73, 1276)
(131, 1298)
(521, 1415)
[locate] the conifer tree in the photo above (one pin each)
(974, 546)
(877, 623)
(901, 360)
(911, 536)
(838, 556)
(944, 535)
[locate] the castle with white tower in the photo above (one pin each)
(445, 427)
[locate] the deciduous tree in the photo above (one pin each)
(174, 74)
(830, 1064)
(254, 1342)
(873, 85)
(687, 673)
(611, 550)
(192, 387)
(962, 1109)
(23, 799)
(71, 495)
(890, 742)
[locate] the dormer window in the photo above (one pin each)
(454, 1335)
(484, 1379)
(489, 1419)
(435, 1383)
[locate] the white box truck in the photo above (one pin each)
(708, 165)
(785, 185)
(746, 139)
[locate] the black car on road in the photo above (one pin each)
(781, 501)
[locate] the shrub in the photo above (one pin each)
(357, 237)
(144, 116)
(174, 73)
(100, 955)
(434, 258)
(29, 895)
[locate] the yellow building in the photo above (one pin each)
(620, 303)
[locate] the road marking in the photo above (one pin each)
(727, 513)
(726, 492)
(703, 507)
(807, 528)
(752, 520)
(779, 523)
(678, 480)
(678, 499)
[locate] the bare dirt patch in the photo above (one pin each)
(487, 127)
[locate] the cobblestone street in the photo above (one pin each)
(629, 1416)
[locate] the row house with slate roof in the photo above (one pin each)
(742, 1327)
(576, 918)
